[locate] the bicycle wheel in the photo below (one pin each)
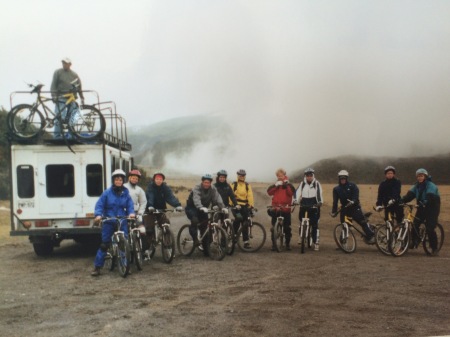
(218, 243)
(111, 257)
(87, 123)
(185, 243)
(344, 238)
(123, 256)
(309, 238)
(399, 241)
(167, 245)
(440, 240)
(229, 230)
(137, 250)
(256, 237)
(277, 237)
(381, 238)
(303, 237)
(25, 121)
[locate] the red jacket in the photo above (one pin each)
(282, 195)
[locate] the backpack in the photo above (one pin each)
(235, 186)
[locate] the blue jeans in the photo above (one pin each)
(60, 108)
(107, 232)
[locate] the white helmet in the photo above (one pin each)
(118, 172)
(343, 173)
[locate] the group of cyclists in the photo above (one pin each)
(129, 199)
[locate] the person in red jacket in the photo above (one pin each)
(282, 193)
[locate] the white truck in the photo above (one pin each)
(54, 188)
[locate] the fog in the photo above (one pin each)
(294, 81)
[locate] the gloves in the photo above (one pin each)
(391, 202)
(319, 204)
(333, 215)
(278, 183)
(238, 207)
(295, 202)
(151, 209)
(179, 209)
(378, 208)
(225, 210)
(97, 220)
(350, 202)
(139, 218)
(142, 230)
(286, 181)
(203, 209)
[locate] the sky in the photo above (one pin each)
(295, 81)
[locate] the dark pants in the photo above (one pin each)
(286, 223)
(199, 220)
(397, 213)
(244, 213)
(357, 215)
(314, 216)
(428, 215)
(149, 224)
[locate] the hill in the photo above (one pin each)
(369, 170)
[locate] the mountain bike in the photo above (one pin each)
(118, 252)
(305, 230)
(343, 232)
(135, 243)
(27, 121)
(255, 232)
(278, 235)
(227, 225)
(383, 232)
(401, 239)
(162, 235)
(214, 235)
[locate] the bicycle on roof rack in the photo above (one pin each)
(27, 121)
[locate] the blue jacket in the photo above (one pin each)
(425, 193)
(112, 204)
(343, 193)
(158, 196)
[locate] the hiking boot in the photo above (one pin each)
(288, 246)
(247, 245)
(434, 252)
(316, 247)
(274, 249)
(371, 240)
(96, 272)
(147, 255)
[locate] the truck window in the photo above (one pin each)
(60, 181)
(25, 181)
(94, 180)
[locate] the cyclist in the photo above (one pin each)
(224, 189)
(159, 194)
(62, 82)
(114, 202)
(244, 199)
(137, 194)
(201, 197)
(282, 193)
(389, 195)
(427, 196)
(309, 193)
(348, 195)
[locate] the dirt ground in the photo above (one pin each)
(324, 293)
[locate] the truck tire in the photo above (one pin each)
(43, 249)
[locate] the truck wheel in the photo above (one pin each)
(43, 249)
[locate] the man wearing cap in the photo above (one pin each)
(200, 199)
(62, 83)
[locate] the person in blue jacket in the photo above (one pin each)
(428, 199)
(114, 202)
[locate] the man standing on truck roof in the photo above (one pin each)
(64, 80)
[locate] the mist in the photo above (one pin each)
(293, 81)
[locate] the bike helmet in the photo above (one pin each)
(241, 172)
(421, 171)
(159, 174)
(343, 174)
(222, 173)
(118, 172)
(207, 176)
(389, 168)
(134, 172)
(309, 170)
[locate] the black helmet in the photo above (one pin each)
(222, 173)
(241, 172)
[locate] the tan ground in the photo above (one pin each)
(325, 293)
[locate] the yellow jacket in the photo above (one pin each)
(243, 192)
